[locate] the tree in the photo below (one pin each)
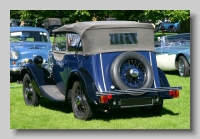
(71, 16)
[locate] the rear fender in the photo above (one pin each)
(163, 83)
(87, 81)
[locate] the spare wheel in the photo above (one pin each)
(131, 70)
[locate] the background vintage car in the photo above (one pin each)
(26, 43)
(52, 23)
(100, 65)
(173, 53)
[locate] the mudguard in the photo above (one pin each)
(87, 81)
(34, 72)
(163, 83)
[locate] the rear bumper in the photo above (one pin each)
(136, 97)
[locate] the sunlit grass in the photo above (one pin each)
(57, 115)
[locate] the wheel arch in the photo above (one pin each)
(177, 57)
(32, 71)
(171, 26)
(86, 79)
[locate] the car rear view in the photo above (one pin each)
(100, 65)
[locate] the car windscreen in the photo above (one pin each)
(178, 37)
(29, 36)
(123, 38)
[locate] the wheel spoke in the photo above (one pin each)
(80, 101)
(181, 67)
(28, 92)
(130, 80)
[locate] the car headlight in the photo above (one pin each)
(14, 55)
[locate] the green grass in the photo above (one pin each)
(57, 115)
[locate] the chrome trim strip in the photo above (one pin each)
(152, 68)
(102, 72)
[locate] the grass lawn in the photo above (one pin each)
(57, 115)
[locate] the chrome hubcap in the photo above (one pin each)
(134, 72)
(181, 68)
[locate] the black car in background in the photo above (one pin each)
(51, 24)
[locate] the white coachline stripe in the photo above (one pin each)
(102, 72)
(152, 68)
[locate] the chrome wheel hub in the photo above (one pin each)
(134, 72)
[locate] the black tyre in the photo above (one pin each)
(183, 67)
(131, 70)
(80, 106)
(171, 29)
(157, 107)
(29, 94)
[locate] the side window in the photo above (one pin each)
(60, 42)
(74, 42)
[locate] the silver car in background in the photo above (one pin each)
(173, 53)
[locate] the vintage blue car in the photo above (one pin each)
(25, 44)
(173, 53)
(167, 26)
(100, 65)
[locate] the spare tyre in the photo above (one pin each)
(131, 70)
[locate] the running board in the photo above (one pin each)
(138, 91)
(51, 92)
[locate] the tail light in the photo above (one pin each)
(13, 62)
(105, 98)
(174, 93)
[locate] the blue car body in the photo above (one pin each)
(25, 44)
(100, 65)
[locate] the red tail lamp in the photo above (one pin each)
(13, 62)
(174, 93)
(105, 98)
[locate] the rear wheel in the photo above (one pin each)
(80, 106)
(29, 94)
(171, 29)
(183, 67)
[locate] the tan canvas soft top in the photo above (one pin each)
(95, 35)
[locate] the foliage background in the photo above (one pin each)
(70, 16)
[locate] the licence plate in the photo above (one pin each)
(136, 102)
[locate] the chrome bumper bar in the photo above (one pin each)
(138, 91)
